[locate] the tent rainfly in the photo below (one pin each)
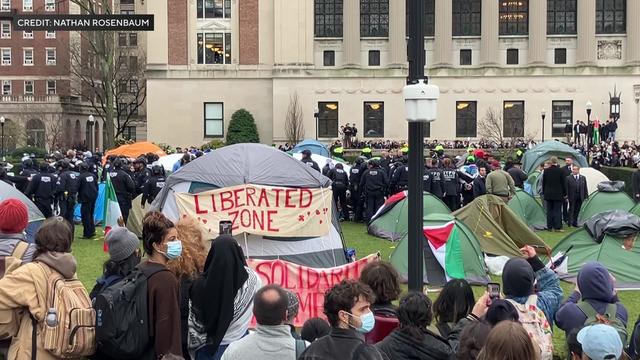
(528, 210)
(605, 199)
(315, 146)
(542, 152)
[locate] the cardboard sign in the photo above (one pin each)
(261, 210)
(310, 284)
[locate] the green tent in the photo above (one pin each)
(635, 210)
(531, 185)
(601, 201)
(497, 228)
(391, 220)
(461, 256)
(542, 152)
(528, 210)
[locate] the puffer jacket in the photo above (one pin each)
(401, 346)
(26, 287)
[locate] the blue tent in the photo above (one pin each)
(98, 214)
(314, 146)
(543, 151)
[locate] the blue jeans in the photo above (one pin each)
(208, 353)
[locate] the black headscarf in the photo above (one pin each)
(213, 293)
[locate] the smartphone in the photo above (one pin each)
(494, 290)
(225, 227)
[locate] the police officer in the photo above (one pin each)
(26, 174)
(87, 195)
(432, 179)
(355, 175)
(153, 185)
(451, 185)
(41, 189)
(306, 158)
(123, 186)
(374, 184)
(67, 191)
(400, 178)
(366, 151)
(107, 167)
(140, 174)
(340, 184)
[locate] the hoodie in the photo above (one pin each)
(64, 263)
(401, 346)
(596, 288)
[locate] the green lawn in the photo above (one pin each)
(90, 256)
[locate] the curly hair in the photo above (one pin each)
(383, 279)
(194, 252)
(154, 227)
(344, 296)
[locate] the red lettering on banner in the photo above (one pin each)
(245, 215)
(196, 200)
(277, 192)
(309, 199)
(263, 197)
(250, 200)
(288, 196)
(258, 220)
(213, 203)
(271, 214)
(236, 197)
(226, 199)
(234, 217)
(264, 273)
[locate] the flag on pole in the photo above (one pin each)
(444, 242)
(111, 209)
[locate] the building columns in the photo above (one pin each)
(537, 32)
(586, 54)
(489, 49)
(351, 33)
(633, 32)
(397, 34)
(443, 33)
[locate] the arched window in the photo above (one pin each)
(561, 17)
(328, 18)
(36, 133)
(611, 16)
(374, 18)
(12, 132)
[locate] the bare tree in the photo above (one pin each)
(294, 122)
(55, 131)
(492, 128)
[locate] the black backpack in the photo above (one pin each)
(122, 317)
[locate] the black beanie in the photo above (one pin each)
(314, 328)
(517, 278)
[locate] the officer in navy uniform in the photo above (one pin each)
(123, 185)
(87, 195)
(67, 191)
(374, 184)
(41, 189)
(339, 186)
(153, 185)
(356, 192)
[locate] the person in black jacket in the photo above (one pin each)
(451, 185)
(555, 191)
(67, 192)
(479, 187)
(339, 186)
(140, 174)
(153, 185)
(306, 159)
(355, 174)
(432, 179)
(374, 184)
(41, 189)
(519, 176)
(123, 186)
(87, 195)
(566, 171)
(576, 193)
(400, 178)
(635, 183)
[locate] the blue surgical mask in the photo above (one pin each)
(368, 321)
(174, 249)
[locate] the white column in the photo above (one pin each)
(266, 31)
(633, 32)
(397, 33)
(158, 40)
(489, 50)
(443, 33)
(351, 32)
(586, 54)
(537, 32)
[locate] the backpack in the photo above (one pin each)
(634, 342)
(9, 323)
(301, 345)
(69, 329)
(122, 327)
(535, 323)
(609, 318)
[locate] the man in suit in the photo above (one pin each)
(566, 171)
(576, 193)
(554, 188)
(479, 187)
(576, 133)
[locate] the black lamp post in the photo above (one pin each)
(91, 134)
(316, 114)
(543, 114)
(2, 120)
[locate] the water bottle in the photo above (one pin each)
(52, 318)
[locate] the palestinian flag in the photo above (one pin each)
(445, 244)
(111, 209)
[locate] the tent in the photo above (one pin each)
(322, 161)
(531, 185)
(315, 146)
(391, 220)
(635, 209)
(467, 255)
(542, 152)
(528, 210)
(98, 212)
(135, 150)
(168, 161)
(601, 201)
(611, 239)
(258, 164)
(35, 215)
(137, 212)
(594, 177)
(497, 228)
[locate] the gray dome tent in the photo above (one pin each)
(35, 215)
(258, 165)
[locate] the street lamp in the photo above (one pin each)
(2, 120)
(91, 135)
(316, 114)
(589, 106)
(543, 113)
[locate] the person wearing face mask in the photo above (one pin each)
(347, 307)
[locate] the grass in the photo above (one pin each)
(90, 257)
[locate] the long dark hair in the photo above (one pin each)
(123, 267)
(414, 315)
(454, 302)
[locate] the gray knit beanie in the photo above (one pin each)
(122, 243)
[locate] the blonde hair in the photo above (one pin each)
(509, 341)
(194, 252)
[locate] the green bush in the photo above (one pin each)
(39, 153)
(242, 128)
(620, 174)
(213, 144)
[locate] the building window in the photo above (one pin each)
(209, 9)
(514, 17)
(374, 57)
(328, 18)
(51, 87)
(560, 56)
(133, 63)
(27, 34)
(27, 56)
(611, 16)
(426, 133)
(374, 18)
(28, 87)
(512, 56)
(6, 56)
(127, 12)
(561, 17)
(561, 115)
(328, 119)
(329, 58)
(467, 18)
(5, 32)
(36, 133)
(123, 86)
(465, 56)
(429, 18)
(133, 86)
(6, 87)
(513, 119)
(133, 109)
(133, 39)
(5, 5)
(49, 34)
(51, 56)
(122, 39)
(466, 119)
(214, 48)
(213, 119)
(50, 5)
(129, 132)
(122, 109)
(27, 5)
(374, 119)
